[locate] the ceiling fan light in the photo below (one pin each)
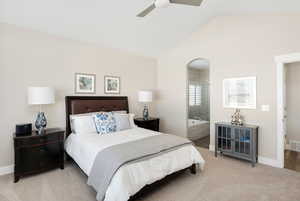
(161, 3)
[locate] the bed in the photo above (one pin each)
(130, 178)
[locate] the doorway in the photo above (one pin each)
(287, 139)
(198, 102)
(292, 120)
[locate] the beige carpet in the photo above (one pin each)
(224, 179)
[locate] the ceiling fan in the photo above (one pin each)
(164, 3)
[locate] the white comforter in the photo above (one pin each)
(130, 178)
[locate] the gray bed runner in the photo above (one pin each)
(109, 160)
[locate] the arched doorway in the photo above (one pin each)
(198, 102)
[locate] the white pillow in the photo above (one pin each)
(130, 118)
(122, 121)
(83, 124)
(121, 112)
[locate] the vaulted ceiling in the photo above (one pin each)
(113, 23)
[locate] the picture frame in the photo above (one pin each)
(85, 83)
(239, 93)
(111, 84)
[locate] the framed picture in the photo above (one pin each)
(239, 93)
(111, 85)
(85, 83)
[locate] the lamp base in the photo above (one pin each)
(145, 113)
(41, 123)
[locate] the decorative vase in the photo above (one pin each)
(40, 122)
(237, 118)
(145, 113)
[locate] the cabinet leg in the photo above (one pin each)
(62, 166)
(16, 179)
(253, 164)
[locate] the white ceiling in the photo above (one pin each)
(113, 23)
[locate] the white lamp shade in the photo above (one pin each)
(41, 95)
(145, 96)
(161, 3)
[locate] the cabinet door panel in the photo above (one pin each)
(247, 141)
(225, 138)
(242, 139)
(228, 132)
(224, 132)
(50, 155)
(30, 157)
(219, 131)
(219, 143)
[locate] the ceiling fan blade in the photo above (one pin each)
(146, 11)
(187, 2)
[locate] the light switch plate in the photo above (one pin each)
(265, 108)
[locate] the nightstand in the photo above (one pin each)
(151, 123)
(38, 153)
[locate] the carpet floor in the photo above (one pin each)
(224, 179)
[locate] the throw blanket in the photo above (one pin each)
(109, 160)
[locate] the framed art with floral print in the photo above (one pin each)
(111, 85)
(85, 83)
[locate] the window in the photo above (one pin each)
(194, 95)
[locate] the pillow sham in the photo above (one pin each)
(122, 121)
(83, 124)
(131, 120)
(121, 111)
(105, 122)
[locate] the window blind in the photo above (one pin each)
(195, 95)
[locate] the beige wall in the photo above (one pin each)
(293, 101)
(29, 58)
(235, 46)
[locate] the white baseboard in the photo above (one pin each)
(288, 147)
(6, 170)
(261, 159)
(269, 161)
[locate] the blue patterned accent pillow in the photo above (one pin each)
(105, 123)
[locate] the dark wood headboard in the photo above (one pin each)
(86, 104)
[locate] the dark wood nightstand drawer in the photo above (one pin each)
(38, 140)
(53, 137)
(29, 142)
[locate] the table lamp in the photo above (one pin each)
(145, 97)
(41, 96)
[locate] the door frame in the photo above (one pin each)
(281, 61)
